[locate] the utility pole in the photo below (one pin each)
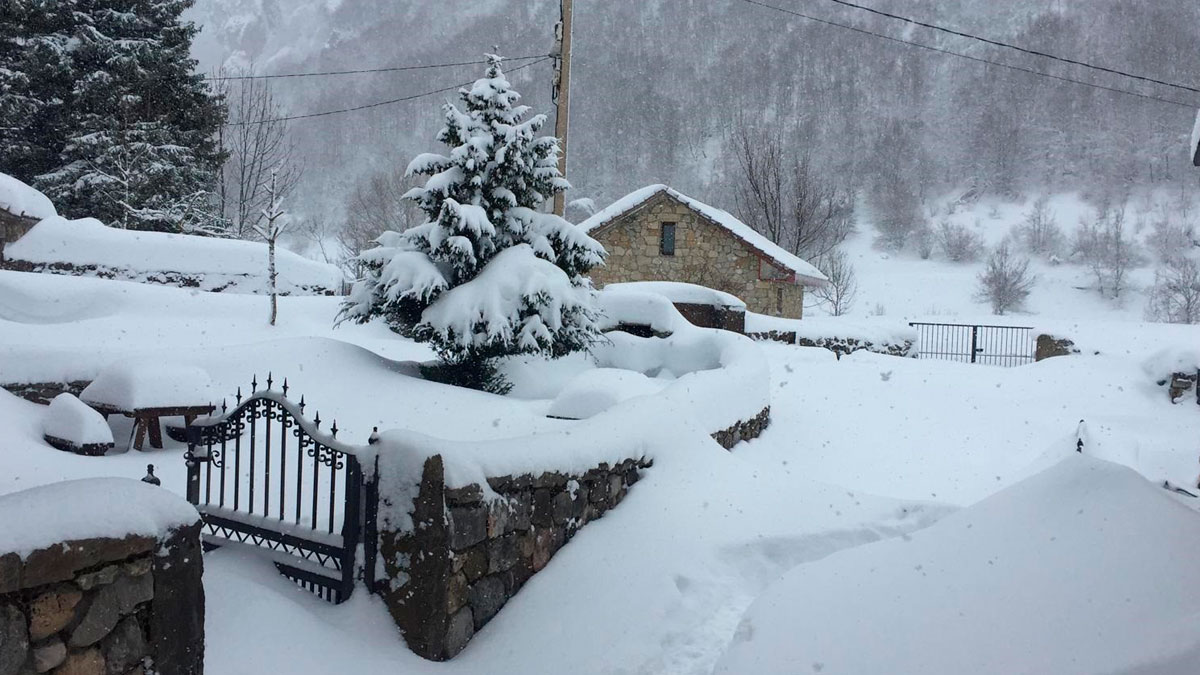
(562, 93)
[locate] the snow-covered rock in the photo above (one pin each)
(87, 247)
(1083, 568)
(19, 199)
(594, 391)
(134, 384)
(678, 291)
(71, 420)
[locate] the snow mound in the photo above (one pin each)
(134, 384)
(677, 291)
(1165, 363)
(595, 391)
(1083, 568)
(618, 306)
(208, 263)
(86, 509)
(20, 199)
(72, 420)
(876, 331)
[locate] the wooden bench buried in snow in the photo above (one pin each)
(148, 392)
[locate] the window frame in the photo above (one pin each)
(663, 228)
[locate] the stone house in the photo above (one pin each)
(660, 234)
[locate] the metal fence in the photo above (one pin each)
(263, 475)
(965, 343)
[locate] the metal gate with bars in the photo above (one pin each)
(262, 475)
(988, 345)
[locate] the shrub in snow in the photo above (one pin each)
(838, 294)
(1175, 296)
(71, 425)
(1006, 281)
(1040, 234)
(487, 274)
(958, 243)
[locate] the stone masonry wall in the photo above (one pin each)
(131, 606)
(12, 228)
(467, 556)
(705, 254)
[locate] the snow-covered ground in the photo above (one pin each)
(864, 455)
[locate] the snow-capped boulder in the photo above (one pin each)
(72, 426)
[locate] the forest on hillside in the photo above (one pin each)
(661, 87)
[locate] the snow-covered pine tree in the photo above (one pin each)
(141, 152)
(488, 274)
(35, 83)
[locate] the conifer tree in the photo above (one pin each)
(487, 274)
(140, 152)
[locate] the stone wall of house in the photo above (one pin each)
(705, 254)
(12, 228)
(104, 606)
(468, 554)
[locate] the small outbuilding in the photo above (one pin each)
(660, 234)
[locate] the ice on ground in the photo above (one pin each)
(222, 264)
(677, 291)
(595, 391)
(148, 383)
(1085, 568)
(72, 420)
(20, 199)
(88, 509)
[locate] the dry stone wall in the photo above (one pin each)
(131, 606)
(705, 254)
(468, 553)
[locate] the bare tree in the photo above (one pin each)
(1040, 233)
(377, 205)
(782, 196)
(255, 136)
(839, 293)
(1005, 282)
(270, 228)
(1175, 296)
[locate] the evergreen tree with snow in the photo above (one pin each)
(140, 152)
(488, 274)
(35, 84)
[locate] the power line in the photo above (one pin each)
(378, 104)
(223, 78)
(1006, 45)
(977, 59)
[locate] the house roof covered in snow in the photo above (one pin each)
(805, 273)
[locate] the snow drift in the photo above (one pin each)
(1083, 568)
(87, 247)
(19, 199)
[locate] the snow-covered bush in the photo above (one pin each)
(1005, 281)
(1175, 296)
(1040, 234)
(959, 243)
(487, 274)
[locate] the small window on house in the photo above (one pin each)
(779, 300)
(667, 244)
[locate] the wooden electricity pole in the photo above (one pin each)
(562, 93)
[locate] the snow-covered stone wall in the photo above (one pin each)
(100, 576)
(477, 544)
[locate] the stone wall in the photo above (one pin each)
(1049, 347)
(744, 431)
(467, 555)
(161, 278)
(44, 392)
(705, 254)
(104, 606)
(713, 316)
(841, 346)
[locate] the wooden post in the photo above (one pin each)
(562, 96)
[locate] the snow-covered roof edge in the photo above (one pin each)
(1195, 149)
(805, 272)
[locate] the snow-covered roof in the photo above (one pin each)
(20, 199)
(805, 272)
(1195, 148)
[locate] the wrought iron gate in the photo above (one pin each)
(989, 345)
(264, 476)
